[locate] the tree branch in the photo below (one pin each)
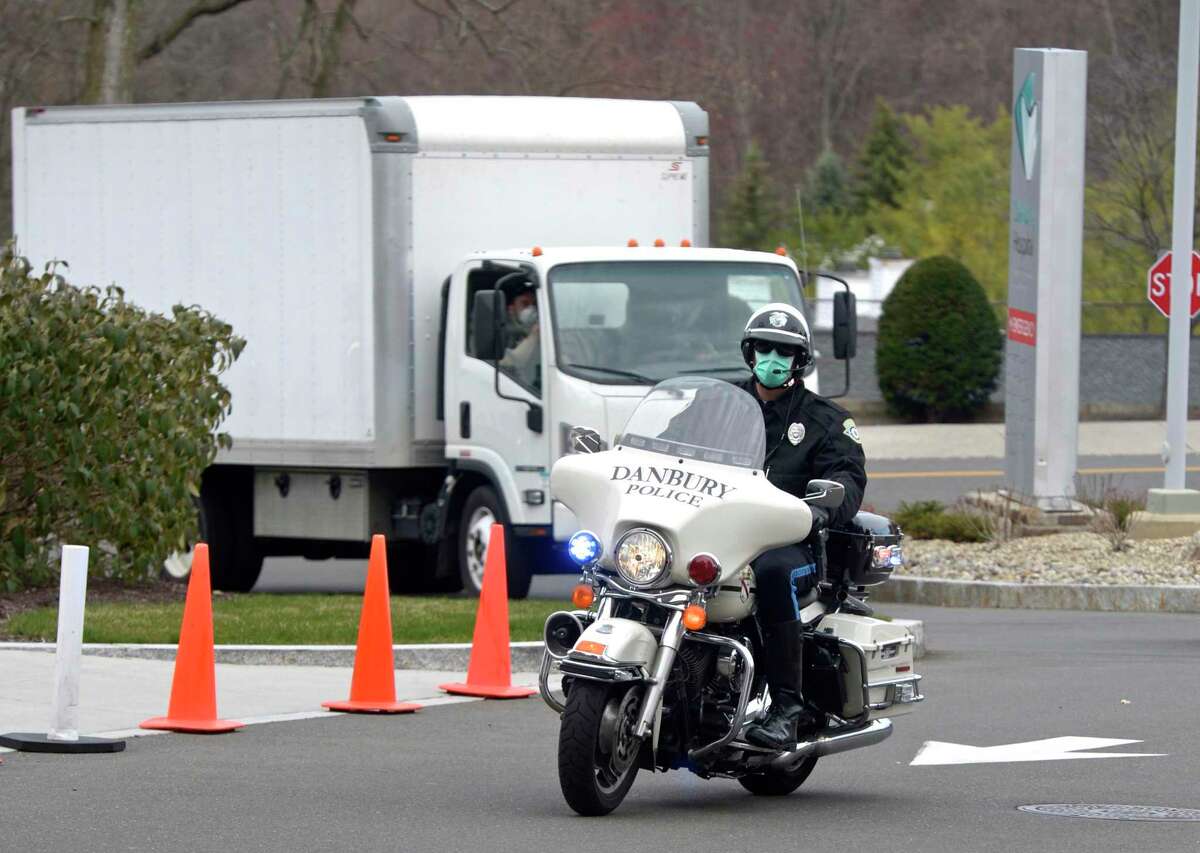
(189, 16)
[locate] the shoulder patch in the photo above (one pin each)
(850, 430)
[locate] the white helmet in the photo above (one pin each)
(779, 323)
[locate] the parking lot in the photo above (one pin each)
(482, 775)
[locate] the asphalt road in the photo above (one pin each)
(889, 483)
(482, 776)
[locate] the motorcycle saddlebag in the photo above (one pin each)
(864, 551)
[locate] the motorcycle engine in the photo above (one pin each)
(695, 662)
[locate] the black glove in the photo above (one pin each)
(820, 520)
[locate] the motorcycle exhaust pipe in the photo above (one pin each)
(562, 630)
(873, 733)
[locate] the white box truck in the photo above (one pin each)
(369, 250)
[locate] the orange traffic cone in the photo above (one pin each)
(193, 706)
(489, 673)
(373, 686)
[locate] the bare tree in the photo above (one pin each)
(114, 28)
(841, 50)
(312, 50)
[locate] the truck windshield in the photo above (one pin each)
(639, 322)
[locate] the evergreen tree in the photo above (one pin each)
(752, 215)
(885, 155)
(827, 185)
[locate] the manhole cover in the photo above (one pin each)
(1105, 811)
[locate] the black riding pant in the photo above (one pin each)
(783, 576)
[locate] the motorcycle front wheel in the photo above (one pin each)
(597, 748)
(778, 783)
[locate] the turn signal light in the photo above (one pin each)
(590, 647)
(694, 617)
(582, 596)
(704, 569)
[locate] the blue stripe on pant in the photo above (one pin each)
(782, 576)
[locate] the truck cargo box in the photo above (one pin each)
(323, 231)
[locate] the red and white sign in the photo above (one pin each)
(1022, 327)
(1158, 285)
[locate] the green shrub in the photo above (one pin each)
(931, 520)
(939, 343)
(108, 415)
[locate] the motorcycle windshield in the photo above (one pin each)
(700, 418)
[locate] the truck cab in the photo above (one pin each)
(610, 323)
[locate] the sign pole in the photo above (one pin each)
(1181, 243)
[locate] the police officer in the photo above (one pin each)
(808, 437)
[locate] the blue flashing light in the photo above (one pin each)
(584, 547)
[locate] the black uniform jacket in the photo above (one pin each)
(811, 438)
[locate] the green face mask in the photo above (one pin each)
(771, 369)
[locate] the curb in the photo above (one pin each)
(445, 657)
(953, 593)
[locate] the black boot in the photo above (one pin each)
(783, 646)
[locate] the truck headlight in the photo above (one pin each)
(643, 557)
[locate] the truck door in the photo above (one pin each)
(496, 418)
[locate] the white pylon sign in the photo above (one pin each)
(1041, 374)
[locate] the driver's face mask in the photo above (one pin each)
(772, 369)
(527, 316)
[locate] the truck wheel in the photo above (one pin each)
(234, 560)
(481, 510)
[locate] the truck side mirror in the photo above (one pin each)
(845, 325)
(487, 320)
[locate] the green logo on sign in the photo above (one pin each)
(1025, 121)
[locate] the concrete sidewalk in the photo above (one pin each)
(116, 693)
(982, 441)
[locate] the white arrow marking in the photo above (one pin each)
(1050, 749)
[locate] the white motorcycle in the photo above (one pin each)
(658, 663)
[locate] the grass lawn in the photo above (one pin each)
(260, 619)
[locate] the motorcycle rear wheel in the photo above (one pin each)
(778, 783)
(597, 752)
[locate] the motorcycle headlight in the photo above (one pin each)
(643, 557)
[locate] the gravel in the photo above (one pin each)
(1069, 558)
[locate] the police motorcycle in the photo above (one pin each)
(657, 663)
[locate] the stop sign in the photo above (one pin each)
(1158, 285)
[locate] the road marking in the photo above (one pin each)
(903, 475)
(1051, 749)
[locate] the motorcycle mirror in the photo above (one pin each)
(825, 493)
(584, 440)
